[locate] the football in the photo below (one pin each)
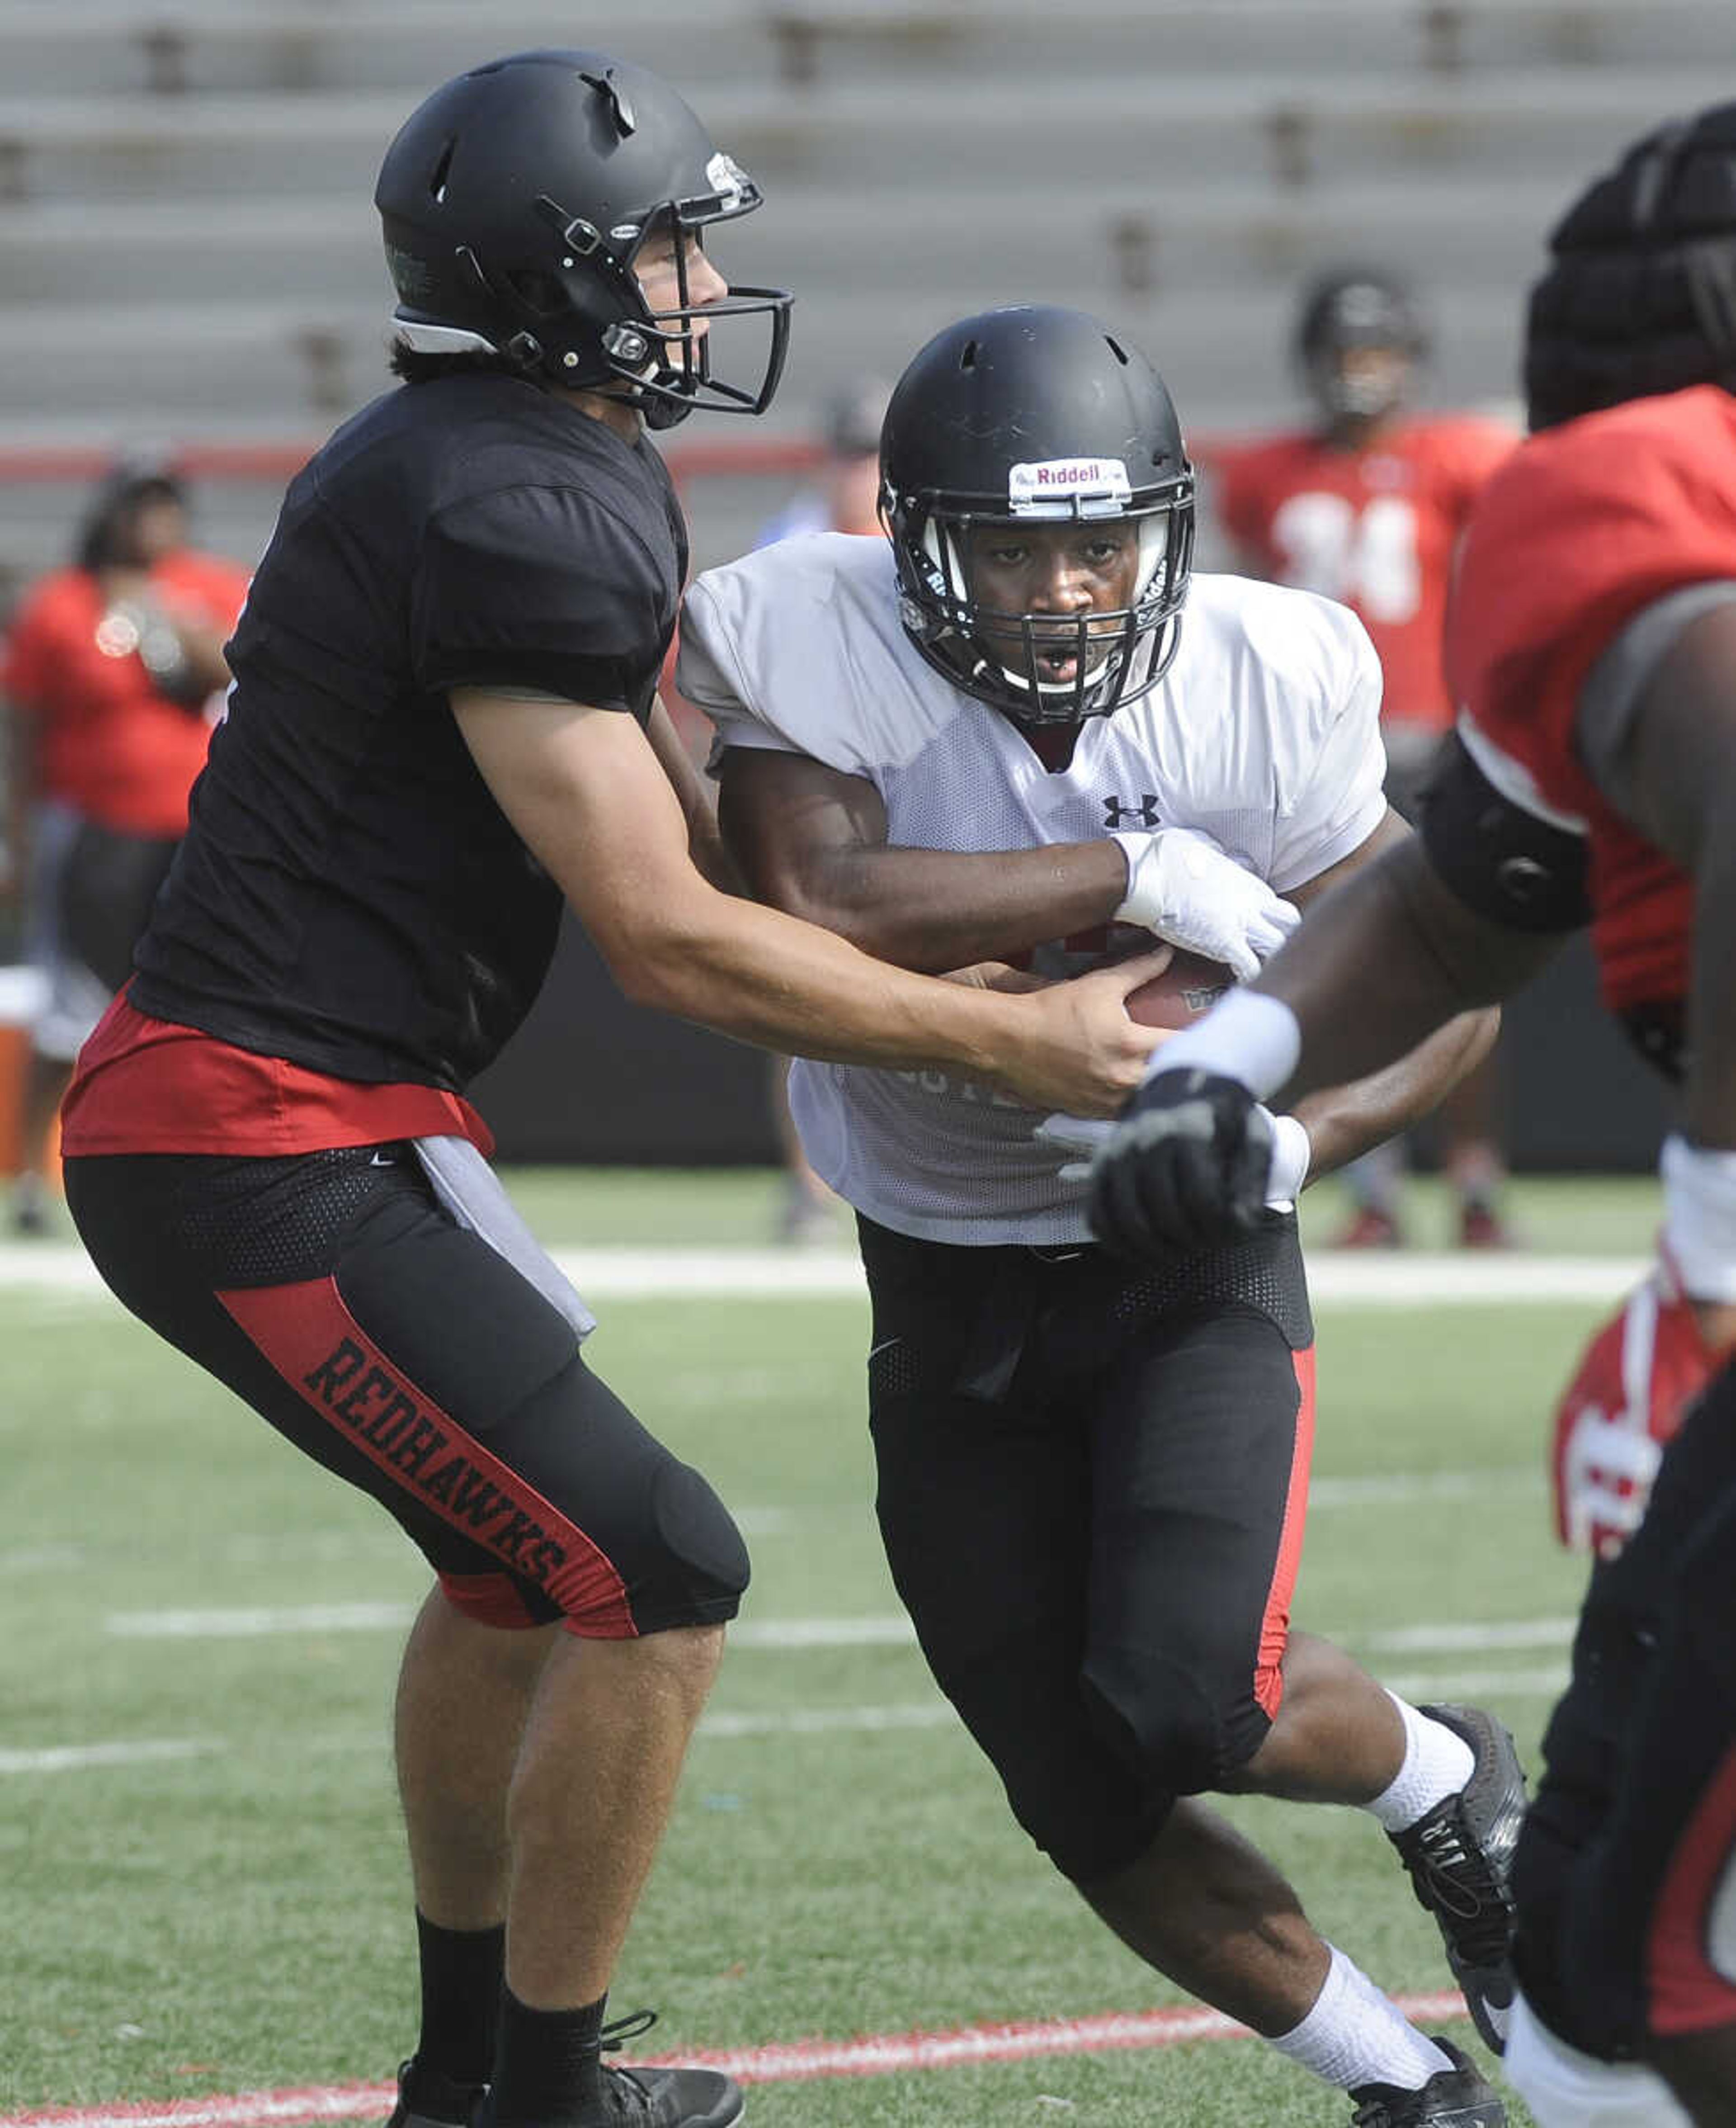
(1188, 986)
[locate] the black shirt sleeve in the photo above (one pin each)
(539, 587)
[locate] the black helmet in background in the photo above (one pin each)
(1640, 294)
(1344, 314)
(514, 201)
(1029, 416)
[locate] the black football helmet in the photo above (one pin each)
(1356, 307)
(514, 200)
(1022, 415)
(1639, 296)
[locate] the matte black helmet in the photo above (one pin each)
(1356, 306)
(1640, 294)
(1025, 416)
(514, 200)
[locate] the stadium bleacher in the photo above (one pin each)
(188, 249)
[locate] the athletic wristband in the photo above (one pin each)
(1246, 1036)
(1292, 1153)
(1699, 1217)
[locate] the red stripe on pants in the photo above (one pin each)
(1275, 1624)
(315, 1344)
(1688, 1993)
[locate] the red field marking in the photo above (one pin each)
(876, 2055)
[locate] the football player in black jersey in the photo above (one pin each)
(444, 725)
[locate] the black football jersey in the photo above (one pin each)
(349, 896)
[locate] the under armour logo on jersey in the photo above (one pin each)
(1144, 814)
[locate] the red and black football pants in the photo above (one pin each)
(1625, 1873)
(332, 1293)
(1092, 1482)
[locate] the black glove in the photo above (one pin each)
(1185, 1168)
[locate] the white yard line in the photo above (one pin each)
(1400, 1281)
(69, 1758)
(729, 1726)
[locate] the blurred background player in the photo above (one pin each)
(845, 492)
(1591, 642)
(844, 496)
(999, 738)
(113, 672)
(1367, 506)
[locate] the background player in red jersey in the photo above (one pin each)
(1593, 643)
(1367, 505)
(112, 669)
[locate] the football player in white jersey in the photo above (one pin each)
(1019, 730)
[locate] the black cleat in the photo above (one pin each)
(651, 2097)
(1460, 1860)
(426, 2099)
(1455, 2098)
(671, 2098)
(663, 2097)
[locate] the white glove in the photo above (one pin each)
(1183, 887)
(1291, 1151)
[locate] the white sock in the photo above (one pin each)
(1356, 2036)
(1437, 1763)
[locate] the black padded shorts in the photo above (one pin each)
(1092, 1482)
(332, 1293)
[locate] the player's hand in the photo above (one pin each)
(1079, 1050)
(1635, 1380)
(1186, 1166)
(1183, 887)
(1084, 1137)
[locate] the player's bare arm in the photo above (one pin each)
(694, 794)
(1391, 957)
(1345, 1120)
(586, 789)
(1676, 780)
(813, 840)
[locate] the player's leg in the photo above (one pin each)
(73, 1000)
(1470, 1155)
(1626, 1876)
(985, 1502)
(1212, 1550)
(464, 1693)
(406, 1356)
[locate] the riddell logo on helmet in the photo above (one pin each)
(1093, 487)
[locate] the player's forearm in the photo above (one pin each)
(766, 977)
(1709, 1107)
(1385, 961)
(1344, 1121)
(934, 909)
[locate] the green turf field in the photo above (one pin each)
(226, 1908)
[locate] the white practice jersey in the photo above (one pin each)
(1264, 733)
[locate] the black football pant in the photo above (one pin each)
(1091, 1488)
(1626, 1869)
(333, 1294)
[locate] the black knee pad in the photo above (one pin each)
(1088, 1813)
(1084, 1804)
(706, 1549)
(1153, 1715)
